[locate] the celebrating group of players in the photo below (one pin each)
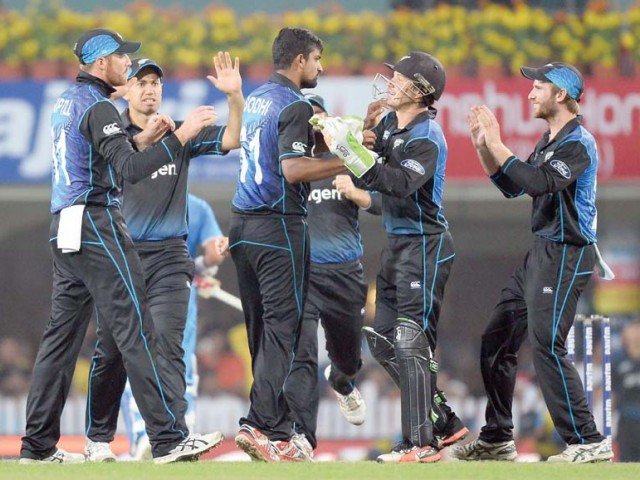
(121, 222)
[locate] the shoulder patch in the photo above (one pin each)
(299, 147)
(561, 167)
(413, 165)
(111, 129)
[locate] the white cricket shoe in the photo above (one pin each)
(395, 455)
(98, 452)
(191, 448)
(481, 450)
(352, 405)
(59, 456)
(584, 453)
(141, 449)
(302, 443)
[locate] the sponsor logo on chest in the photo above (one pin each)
(318, 195)
(165, 171)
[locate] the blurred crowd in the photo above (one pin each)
(224, 369)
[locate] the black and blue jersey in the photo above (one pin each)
(275, 126)
(333, 224)
(561, 176)
(92, 154)
(155, 208)
(411, 174)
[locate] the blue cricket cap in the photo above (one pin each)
(140, 64)
(562, 75)
(101, 42)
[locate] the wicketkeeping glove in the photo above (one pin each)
(343, 136)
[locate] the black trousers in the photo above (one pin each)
(414, 272)
(413, 275)
(107, 274)
(540, 302)
(337, 294)
(271, 255)
(168, 271)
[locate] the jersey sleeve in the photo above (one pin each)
(208, 142)
(295, 134)
(507, 186)
(102, 126)
(376, 204)
(417, 165)
(209, 226)
(559, 171)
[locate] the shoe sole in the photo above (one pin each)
(33, 461)
(102, 460)
(593, 460)
(382, 460)
(191, 455)
(455, 438)
(430, 459)
(248, 447)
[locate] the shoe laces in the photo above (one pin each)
(353, 400)
(402, 446)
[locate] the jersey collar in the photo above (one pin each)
(104, 87)
(282, 80)
(569, 127)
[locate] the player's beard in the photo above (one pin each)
(309, 83)
(546, 110)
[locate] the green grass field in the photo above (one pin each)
(334, 470)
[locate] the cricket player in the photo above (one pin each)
(205, 235)
(540, 299)
(416, 262)
(156, 213)
(268, 237)
(95, 265)
(337, 295)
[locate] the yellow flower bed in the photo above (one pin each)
(494, 36)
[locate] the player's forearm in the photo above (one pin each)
(231, 136)
(489, 164)
(305, 169)
(499, 152)
(362, 198)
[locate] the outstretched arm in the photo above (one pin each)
(229, 82)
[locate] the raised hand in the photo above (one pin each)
(489, 125)
(368, 139)
(196, 120)
(374, 110)
(477, 132)
(227, 77)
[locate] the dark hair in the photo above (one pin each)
(290, 43)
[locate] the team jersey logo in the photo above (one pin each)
(548, 290)
(415, 285)
(386, 134)
(413, 165)
(299, 147)
(548, 155)
(397, 142)
(111, 129)
(561, 167)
